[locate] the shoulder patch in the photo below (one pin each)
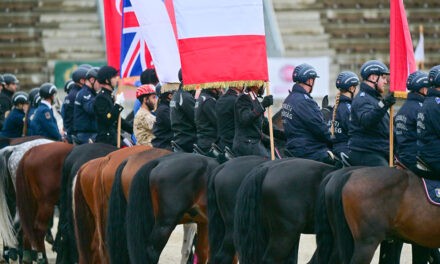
(349, 107)
(362, 94)
(437, 100)
(47, 115)
(87, 97)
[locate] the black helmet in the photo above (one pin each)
(20, 98)
(47, 90)
(92, 73)
(417, 80)
(34, 96)
(434, 76)
(346, 79)
(68, 85)
(105, 74)
(149, 77)
(2, 81)
(373, 67)
(79, 73)
(10, 78)
(304, 72)
(85, 66)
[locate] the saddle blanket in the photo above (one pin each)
(432, 190)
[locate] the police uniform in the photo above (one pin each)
(206, 120)
(67, 111)
(13, 125)
(306, 131)
(84, 122)
(405, 129)
(225, 118)
(30, 128)
(248, 125)
(5, 104)
(369, 129)
(45, 123)
(107, 113)
(341, 124)
(182, 119)
(162, 127)
(428, 131)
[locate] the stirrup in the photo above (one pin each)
(198, 150)
(216, 149)
(421, 165)
(345, 159)
(176, 147)
(228, 153)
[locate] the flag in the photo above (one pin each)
(113, 24)
(419, 53)
(221, 43)
(135, 57)
(402, 61)
(156, 30)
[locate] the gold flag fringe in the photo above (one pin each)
(212, 85)
(169, 87)
(400, 94)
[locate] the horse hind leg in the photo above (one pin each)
(363, 252)
(189, 232)
(158, 238)
(202, 250)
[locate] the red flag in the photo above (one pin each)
(402, 61)
(113, 28)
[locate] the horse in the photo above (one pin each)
(91, 194)
(65, 242)
(4, 141)
(38, 188)
(368, 205)
(276, 201)
(10, 156)
(165, 192)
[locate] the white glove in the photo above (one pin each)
(120, 98)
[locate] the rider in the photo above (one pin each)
(84, 122)
(224, 110)
(248, 119)
(44, 121)
(9, 88)
(34, 101)
(144, 119)
(346, 84)
(162, 127)
(206, 118)
(306, 131)
(105, 108)
(14, 123)
(428, 125)
(369, 119)
(405, 122)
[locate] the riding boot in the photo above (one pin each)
(390, 252)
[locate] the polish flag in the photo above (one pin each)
(113, 27)
(221, 43)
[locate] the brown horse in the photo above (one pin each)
(38, 189)
(369, 205)
(165, 192)
(91, 195)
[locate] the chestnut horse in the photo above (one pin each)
(165, 192)
(38, 189)
(65, 242)
(371, 204)
(91, 195)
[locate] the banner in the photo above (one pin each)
(402, 61)
(113, 25)
(221, 43)
(419, 53)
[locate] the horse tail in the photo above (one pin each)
(116, 232)
(140, 213)
(7, 231)
(216, 224)
(248, 216)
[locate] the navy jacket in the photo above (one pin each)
(162, 127)
(306, 131)
(5, 104)
(45, 123)
(369, 123)
(13, 125)
(342, 121)
(405, 129)
(225, 118)
(67, 110)
(206, 120)
(30, 128)
(428, 128)
(182, 119)
(84, 115)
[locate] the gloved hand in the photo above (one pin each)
(267, 101)
(389, 100)
(120, 98)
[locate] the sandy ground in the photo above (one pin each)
(171, 253)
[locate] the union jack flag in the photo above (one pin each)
(135, 56)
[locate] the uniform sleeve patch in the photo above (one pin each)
(437, 100)
(47, 115)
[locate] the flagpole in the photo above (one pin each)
(269, 115)
(118, 144)
(391, 157)
(422, 62)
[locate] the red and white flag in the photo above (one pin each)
(221, 43)
(113, 27)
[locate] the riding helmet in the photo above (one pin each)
(373, 67)
(20, 98)
(434, 76)
(47, 90)
(346, 79)
(417, 80)
(304, 72)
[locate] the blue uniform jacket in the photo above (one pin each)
(306, 131)
(45, 123)
(405, 129)
(428, 128)
(342, 120)
(30, 128)
(369, 123)
(84, 120)
(13, 126)
(68, 108)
